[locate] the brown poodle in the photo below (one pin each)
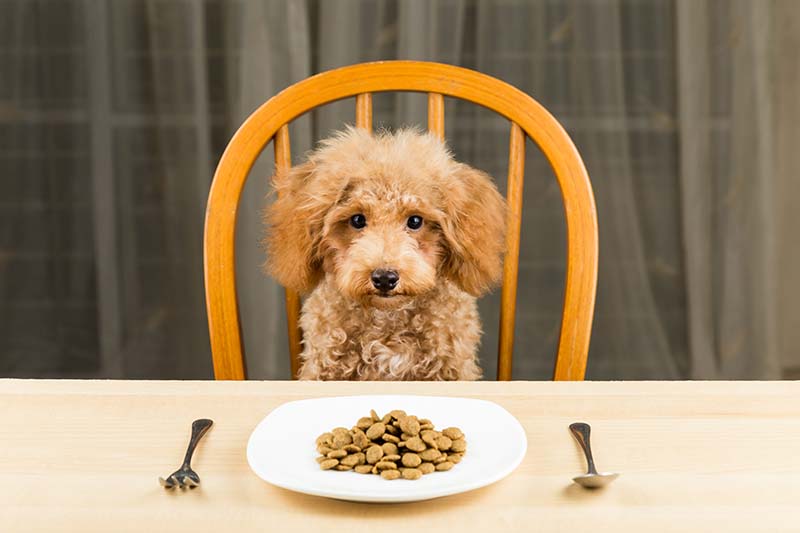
(392, 241)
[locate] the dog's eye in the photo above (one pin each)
(358, 221)
(414, 222)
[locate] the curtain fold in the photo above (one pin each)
(274, 46)
(728, 188)
(785, 78)
(625, 300)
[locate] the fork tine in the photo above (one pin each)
(189, 482)
(166, 483)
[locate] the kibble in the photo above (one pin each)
(327, 464)
(430, 454)
(390, 448)
(376, 430)
(427, 468)
(429, 438)
(411, 460)
(443, 443)
(341, 437)
(390, 474)
(374, 454)
(411, 473)
(409, 425)
(353, 460)
(459, 445)
(415, 444)
(445, 466)
(452, 433)
(360, 439)
(395, 446)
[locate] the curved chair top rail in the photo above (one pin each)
(533, 119)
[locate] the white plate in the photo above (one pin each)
(281, 449)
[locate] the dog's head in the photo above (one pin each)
(386, 217)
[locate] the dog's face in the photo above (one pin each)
(381, 243)
(386, 218)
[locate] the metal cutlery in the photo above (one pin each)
(186, 477)
(592, 479)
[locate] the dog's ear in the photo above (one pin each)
(294, 228)
(474, 229)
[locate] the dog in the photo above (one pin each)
(391, 241)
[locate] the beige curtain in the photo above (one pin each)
(686, 289)
(684, 110)
(273, 39)
(729, 186)
(785, 76)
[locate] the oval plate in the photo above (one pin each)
(281, 449)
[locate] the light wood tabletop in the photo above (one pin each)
(693, 456)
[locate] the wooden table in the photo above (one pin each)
(694, 456)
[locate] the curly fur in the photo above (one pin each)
(427, 327)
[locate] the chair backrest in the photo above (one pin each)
(527, 117)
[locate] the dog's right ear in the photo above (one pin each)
(294, 228)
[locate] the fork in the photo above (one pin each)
(185, 476)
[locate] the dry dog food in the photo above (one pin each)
(393, 446)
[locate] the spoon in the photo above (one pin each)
(591, 479)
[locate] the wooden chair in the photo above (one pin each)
(270, 122)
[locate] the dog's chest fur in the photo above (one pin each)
(433, 337)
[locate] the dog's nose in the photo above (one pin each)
(384, 280)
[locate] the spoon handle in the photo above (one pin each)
(581, 432)
(199, 428)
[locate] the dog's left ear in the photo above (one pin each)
(474, 228)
